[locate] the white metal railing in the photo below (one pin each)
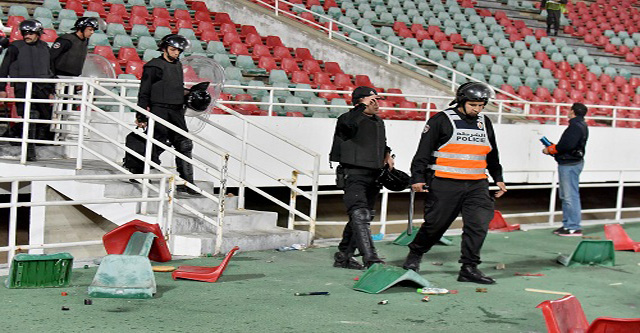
(163, 197)
(96, 96)
(388, 54)
(505, 110)
(552, 184)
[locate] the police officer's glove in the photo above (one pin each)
(141, 118)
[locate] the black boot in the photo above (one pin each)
(412, 262)
(183, 189)
(346, 260)
(471, 273)
(361, 219)
(31, 152)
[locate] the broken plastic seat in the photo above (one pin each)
(590, 252)
(116, 241)
(204, 273)
(620, 238)
(40, 270)
(566, 315)
(404, 239)
(499, 224)
(379, 278)
(126, 275)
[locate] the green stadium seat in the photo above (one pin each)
(67, 14)
(294, 108)
(419, 51)
(114, 29)
(232, 91)
(150, 54)
(158, 3)
(305, 95)
(178, 4)
(503, 61)
(486, 60)
(161, 32)
(498, 70)
(188, 34)
(518, 62)
(435, 55)
(557, 57)
(519, 45)
(434, 21)
(595, 69)
(334, 12)
(543, 73)
(223, 60)
(480, 68)
(510, 53)
(463, 67)
(16, 10)
(472, 40)
(532, 82)
(88, 13)
(410, 43)
(316, 109)
(282, 93)
(495, 51)
(514, 81)
(42, 12)
(216, 47)
(550, 84)
(278, 75)
(47, 23)
(53, 5)
(453, 56)
(535, 48)
(121, 41)
(526, 54)
(588, 61)
(66, 25)
(624, 73)
(573, 59)
(629, 42)
(611, 71)
(139, 30)
(496, 80)
(488, 41)
(566, 50)
(99, 39)
(609, 33)
(514, 71)
(479, 76)
(146, 42)
(602, 61)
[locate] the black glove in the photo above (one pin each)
(141, 118)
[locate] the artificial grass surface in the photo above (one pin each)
(256, 293)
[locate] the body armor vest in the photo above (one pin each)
(367, 148)
(72, 61)
(169, 89)
(33, 60)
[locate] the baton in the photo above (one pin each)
(412, 196)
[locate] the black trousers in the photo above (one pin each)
(446, 199)
(553, 19)
(37, 111)
(361, 191)
(170, 137)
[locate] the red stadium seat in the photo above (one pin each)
(228, 27)
(202, 17)
(245, 109)
(49, 35)
(135, 68)
(15, 34)
(127, 54)
(199, 6)
(289, 65)
(300, 77)
(422, 35)
(104, 51)
(140, 11)
(363, 80)
(160, 22)
(161, 12)
(446, 45)
(479, 50)
(273, 41)
(182, 14)
(267, 63)
(222, 18)
(75, 6)
(281, 52)
(328, 95)
(332, 67)
(231, 38)
(260, 51)
(311, 67)
(14, 21)
(323, 78)
(303, 53)
(395, 99)
(238, 49)
(205, 26)
(120, 9)
(252, 40)
(209, 35)
(184, 24)
(98, 8)
(342, 80)
(248, 29)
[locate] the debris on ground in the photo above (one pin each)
(313, 293)
(433, 291)
(528, 274)
(65, 308)
(64, 293)
(383, 302)
(426, 299)
(88, 301)
(591, 237)
(357, 278)
(501, 266)
(293, 247)
(163, 268)
(437, 263)
(616, 284)
(481, 290)
(547, 291)
(453, 291)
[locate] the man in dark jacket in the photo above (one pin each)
(456, 149)
(29, 58)
(162, 92)
(360, 146)
(569, 153)
(69, 51)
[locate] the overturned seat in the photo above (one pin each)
(379, 278)
(204, 273)
(590, 252)
(126, 275)
(620, 238)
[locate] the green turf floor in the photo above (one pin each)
(256, 294)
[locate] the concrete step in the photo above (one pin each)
(42, 152)
(248, 240)
(234, 220)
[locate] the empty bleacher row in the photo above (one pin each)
(250, 59)
(486, 45)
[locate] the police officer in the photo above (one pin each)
(162, 92)
(69, 51)
(360, 146)
(29, 58)
(456, 147)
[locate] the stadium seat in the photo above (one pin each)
(135, 68)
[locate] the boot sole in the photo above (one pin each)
(464, 279)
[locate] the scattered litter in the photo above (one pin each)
(313, 293)
(163, 268)
(506, 236)
(481, 290)
(383, 302)
(269, 261)
(437, 263)
(86, 266)
(357, 278)
(426, 299)
(209, 255)
(88, 301)
(547, 291)
(293, 247)
(591, 237)
(615, 284)
(501, 266)
(377, 237)
(433, 291)
(64, 293)
(528, 274)
(65, 308)
(453, 291)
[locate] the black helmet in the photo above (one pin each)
(4, 43)
(394, 180)
(86, 22)
(473, 91)
(31, 26)
(175, 40)
(198, 98)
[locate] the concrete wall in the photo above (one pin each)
(351, 59)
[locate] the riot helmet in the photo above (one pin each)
(394, 180)
(175, 40)
(198, 98)
(473, 92)
(31, 26)
(86, 22)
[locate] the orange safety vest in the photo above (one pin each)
(464, 156)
